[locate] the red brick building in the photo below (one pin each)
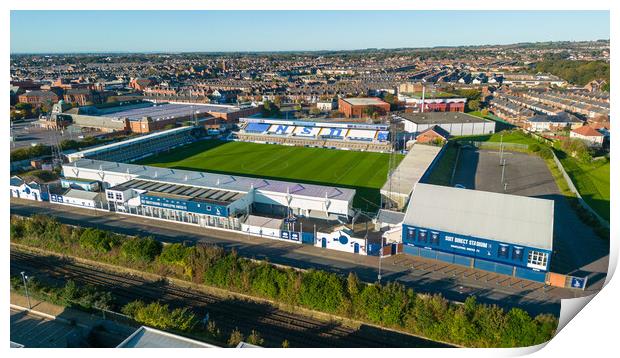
(82, 96)
(433, 134)
(147, 125)
(66, 84)
(139, 84)
(233, 116)
(437, 105)
(359, 107)
(37, 98)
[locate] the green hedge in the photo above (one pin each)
(391, 305)
(30, 152)
(160, 316)
(98, 240)
(86, 297)
(138, 249)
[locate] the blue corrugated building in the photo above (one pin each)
(507, 234)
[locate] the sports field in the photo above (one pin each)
(592, 181)
(364, 171)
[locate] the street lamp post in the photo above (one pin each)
(25, 279)
(380, 257)
(501, 148)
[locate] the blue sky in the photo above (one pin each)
(174, 31)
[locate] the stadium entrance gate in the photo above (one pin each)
(307, 238)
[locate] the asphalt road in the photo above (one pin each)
(25, 133)
(577, 250)
(424, 276)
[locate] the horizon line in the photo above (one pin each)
(153, 52)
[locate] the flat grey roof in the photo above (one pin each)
(505, 218)
(81, 194)
(146, 337)
(411, 169)
(390, 217)
(212, 180)
(441, 117)
(262, 221)
(168, 110)
(365, 101)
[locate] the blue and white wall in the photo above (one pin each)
(485, 254)
(341, 240)
(184, 205)
(28, 192)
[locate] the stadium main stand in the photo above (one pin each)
(351, 136)
(140, 147)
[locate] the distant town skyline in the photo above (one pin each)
(264, 31)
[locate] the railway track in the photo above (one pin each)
(274, 324)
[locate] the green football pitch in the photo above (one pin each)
(366, 172)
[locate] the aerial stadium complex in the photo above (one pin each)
(270, 190)
(311, 182)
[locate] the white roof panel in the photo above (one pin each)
(411, 169)
(212, 180)
(500, 217)
(147, 337)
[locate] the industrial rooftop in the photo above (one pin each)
(167, 111)
(147, 337)
(156, 188)
(501, 217)
(441, 117)
(211, 180)
(363, 101)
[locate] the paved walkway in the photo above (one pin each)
(47, 325)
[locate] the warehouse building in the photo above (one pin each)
(433, 104)
(146, 117)
(360, 107)
(455, 123)
(507, 234)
